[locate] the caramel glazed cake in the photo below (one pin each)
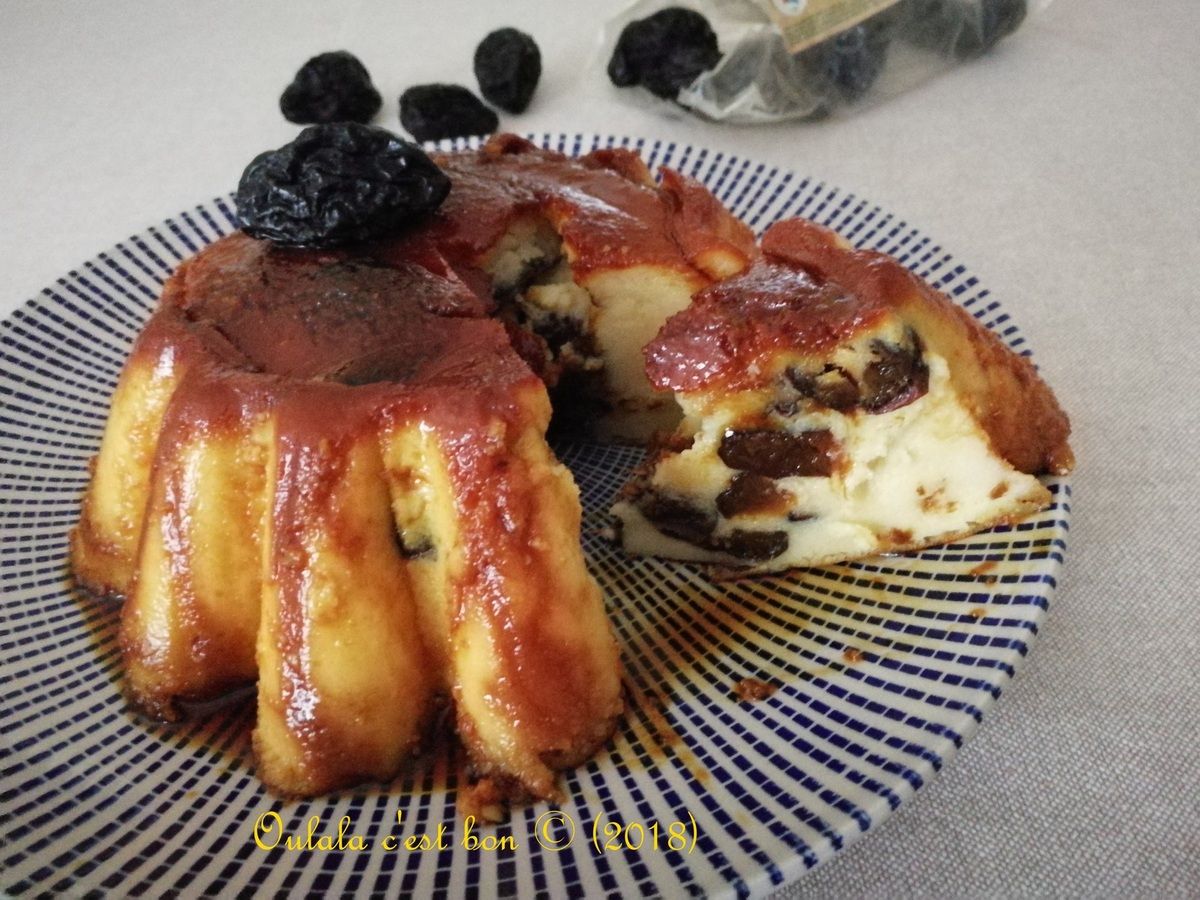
(326, 470)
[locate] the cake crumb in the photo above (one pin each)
(486, 800)
(750, 689)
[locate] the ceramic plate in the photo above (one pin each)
(883, 667)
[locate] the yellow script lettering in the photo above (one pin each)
(487, 843)
(268, 828)
(355, 842)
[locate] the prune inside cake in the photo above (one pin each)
(835, 407)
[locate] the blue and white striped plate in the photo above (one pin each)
(884, 667)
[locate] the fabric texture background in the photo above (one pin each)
(1061, 169)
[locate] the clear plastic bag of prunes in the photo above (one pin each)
(750, 61)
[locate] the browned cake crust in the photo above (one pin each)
(605, 223)
(810, 292)
(325, 470)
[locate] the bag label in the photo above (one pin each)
(806, 22)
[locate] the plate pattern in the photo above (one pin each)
(883, 667)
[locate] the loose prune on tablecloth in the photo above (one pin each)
(508, 65)
(664, 52)
(331, 87)
(431, 112)
(336, 183)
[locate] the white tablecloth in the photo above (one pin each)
(1063, 169)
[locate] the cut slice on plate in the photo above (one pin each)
(836, 407)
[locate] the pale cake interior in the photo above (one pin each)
(920, 474)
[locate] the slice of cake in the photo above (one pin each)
(835, 407)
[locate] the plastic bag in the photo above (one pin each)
(804, 59)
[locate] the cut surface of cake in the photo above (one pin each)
(835, 407)
(326, 470)
(591, 256)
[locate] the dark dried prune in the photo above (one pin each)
(963, 28)
(664, 52)
(749, 494)
(508, 65)
(752, 546)
(997, 19)
(895, 377)
(833, 387)
(337, 183)
(431, 112)
(851, 61)
(780, 454)
(931, 24)
(677, 518)
(331, 87)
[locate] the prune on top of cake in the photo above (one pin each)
(331, 87)
(508, 65)
(432, 112)
(336, 183)
(664, 52)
